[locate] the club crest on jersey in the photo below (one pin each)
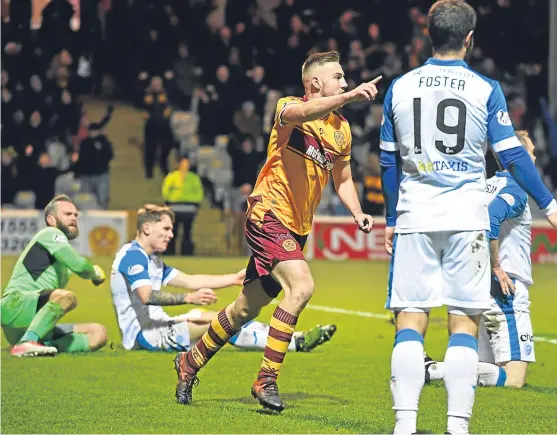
(339, 138)
(289, 245)
(503, 118)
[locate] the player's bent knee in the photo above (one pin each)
(416, 320)
(66, 298)
(98, 336)
(302, 291)
(516, 374)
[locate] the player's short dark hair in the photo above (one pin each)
(320, 59)
(448, 23)
(153, 213)
(51, 206)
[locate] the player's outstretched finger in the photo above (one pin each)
(376, 80)
(389, 248)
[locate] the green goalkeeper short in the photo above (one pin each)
(18, 309)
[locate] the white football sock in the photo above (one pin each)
(253, 335)
(461, 371)
(491, 375)
(407, 379)
(436, 371)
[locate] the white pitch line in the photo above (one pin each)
(546, 340)
(380, 316)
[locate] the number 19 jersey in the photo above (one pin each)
(440, 118)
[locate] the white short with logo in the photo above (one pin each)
(440, 268)
(505, 329)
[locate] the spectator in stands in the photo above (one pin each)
(256, 89)
(10, 127)
(44, 178)
(36, 94)
(9, 176)
(372, 195)
(55, 27)
(183, 192)
(217, 106)
(246, 161)
(35, 133)
(93, 164)
(247, 121)
(187, 76)
(157, 130)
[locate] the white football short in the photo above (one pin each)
(440, 268)
(505, 329)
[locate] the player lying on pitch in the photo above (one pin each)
(35, 298)
(505, 338)
(138, 275)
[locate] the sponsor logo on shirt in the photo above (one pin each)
(135, 269)
(503, 118)
(60, 238)
(442, 165)
(508, 198)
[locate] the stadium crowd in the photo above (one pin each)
(209, 74)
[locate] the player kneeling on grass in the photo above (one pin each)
(35, 298)
(138, 274)
(505, 339)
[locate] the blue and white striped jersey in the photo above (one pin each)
(440, 118)
(511, 222)
(133, 268)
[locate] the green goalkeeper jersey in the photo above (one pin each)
(46, 263)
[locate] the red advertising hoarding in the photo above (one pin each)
(338, 238)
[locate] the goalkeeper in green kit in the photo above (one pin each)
(35, 299)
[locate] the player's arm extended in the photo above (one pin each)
(390, 161)
(344, 185)
(311, 110)
(514, 156)
(319, 107)
(390, 183)
(196, 282)
(519, 163)
(499, 210)
(149, 297)
(70, 258)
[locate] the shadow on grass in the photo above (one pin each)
(543, 390)
(292, 398)
(333, 421)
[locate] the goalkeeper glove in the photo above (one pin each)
(100, 275)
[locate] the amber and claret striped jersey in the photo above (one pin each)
(299, 162)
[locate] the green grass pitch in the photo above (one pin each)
(341, 387)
